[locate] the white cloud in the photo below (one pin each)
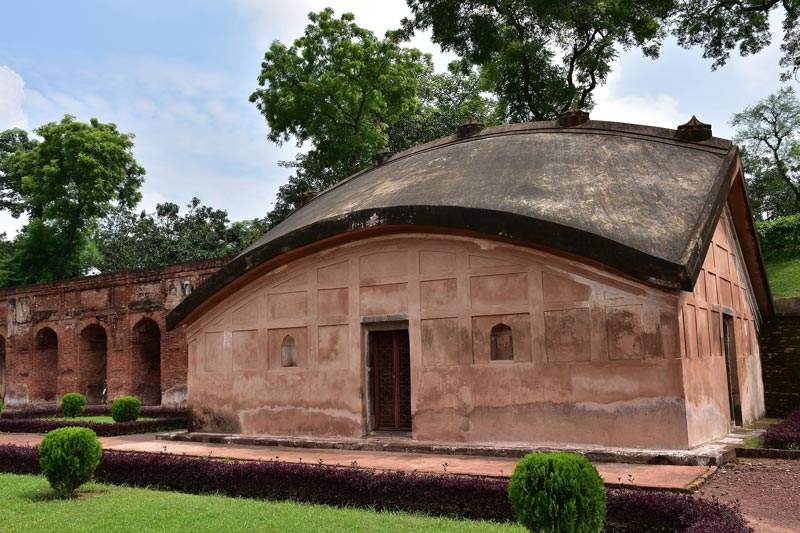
(651, 108)
(12, 96)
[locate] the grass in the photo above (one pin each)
(100, 419)
(27, 504)
(784, 277)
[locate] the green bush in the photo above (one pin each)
(72, 404)
(780, 237)
(1, 406)
(558, 493)
(68, 458)
(126, 409)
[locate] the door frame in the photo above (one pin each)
(391, 324)
(731, 368)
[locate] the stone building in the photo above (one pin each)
(103, 336)
(554, 282)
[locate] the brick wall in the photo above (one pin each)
(780, 358)
(103, 336)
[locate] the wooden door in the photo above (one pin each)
(729, 346)
(391, 379)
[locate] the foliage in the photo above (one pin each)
(126, 409)
(540, 58)
(68, 458)
(102, 429)
(64, 183)
(719, 26)
(785, 434)
(1, 407)
(72, 404)
(337, 88)
(126, 509)
(48, 411)
(769, 135)
(780, 237)
(446, 495)
(557, 492)
(130, 240)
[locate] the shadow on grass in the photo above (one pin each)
(49, 495)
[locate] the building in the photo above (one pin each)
(103, 336)
(555, 282)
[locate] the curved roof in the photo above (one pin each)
(635, 198)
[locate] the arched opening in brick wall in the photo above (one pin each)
(2, 368)
(44, 367)
(147, 361)
(93, 363)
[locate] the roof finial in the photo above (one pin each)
(694, 131)
(468, 128)
(382, 156)
(574, 117)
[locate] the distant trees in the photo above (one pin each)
(768, 133)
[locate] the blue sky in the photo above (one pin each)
(178, 73)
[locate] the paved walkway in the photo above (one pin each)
(671, 477)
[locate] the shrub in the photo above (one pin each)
(72, 404)
(558, 492)
(126, 409)
(41, 425)
(785, 434)
(780, 237)
(68, 458)
(1, 407)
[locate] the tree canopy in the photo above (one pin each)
(769, 135)
(64, 183)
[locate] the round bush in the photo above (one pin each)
(126, 409)
(72, 404)
(68, 458)
(558, 492)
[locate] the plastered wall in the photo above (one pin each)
(596, 357)
(722, 288)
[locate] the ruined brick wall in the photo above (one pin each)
(103, 336)
(780, 352)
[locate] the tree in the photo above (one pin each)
(336, 90)
(541, 57)
(64, 183)
(769, 135)
(719, 26)
(130, 240)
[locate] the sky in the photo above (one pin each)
(178, 75)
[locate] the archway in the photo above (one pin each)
(2, 368)
(93, 356)
(146, 351)
(44, 370)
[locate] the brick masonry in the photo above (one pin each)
(103, 336)
(780, 354)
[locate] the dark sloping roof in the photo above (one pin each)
(632, 197)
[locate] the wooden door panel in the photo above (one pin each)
(391, 379)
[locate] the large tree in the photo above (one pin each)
(130, 240)
(64, 182)
(720, 26)
(538, 56)
(769, 135)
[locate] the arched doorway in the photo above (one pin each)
(2, 368)
(44, 370)
(146, 349)
(93, 351)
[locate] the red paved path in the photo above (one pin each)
(651, 476)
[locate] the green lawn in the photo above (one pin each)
(784, 277)
(26, 504)
(96, 419)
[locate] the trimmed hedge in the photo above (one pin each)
(436, 494)
(784, 435)
(126, 409)
(68, 458)
(42, 425)
(780, 237)
(73, 404)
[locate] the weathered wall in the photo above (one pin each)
(780, 349)
(596, 357)
(83, 334)
(721, 288)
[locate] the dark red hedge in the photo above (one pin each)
(784, 435)
(43, 425)
(436, 494)
(39, 411)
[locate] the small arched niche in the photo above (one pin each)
(288, 351)
(502, 343)
(44, 369)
